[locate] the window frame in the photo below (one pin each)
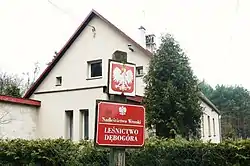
(89, 63)
(59, 81)
(203, 125)
(84, 124)
(69, 124)
(136, 73)
(214, 127)
(209, 126)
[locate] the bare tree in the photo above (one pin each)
(16, 86)
(5, 118)
(30, 77)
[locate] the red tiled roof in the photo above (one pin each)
(92, 14)
(20, 100)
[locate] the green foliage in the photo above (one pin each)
(10, 85)
(16, 86)
(234, 104)
(156, 152)
(44, 152)
(179, 153)
(89, 155)
(171, 93)
(206, 89)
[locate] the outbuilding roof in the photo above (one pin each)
(16, 100)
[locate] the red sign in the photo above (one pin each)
(120, 125)
(121, 79)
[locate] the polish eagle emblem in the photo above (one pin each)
(122, 110)
(123, 78)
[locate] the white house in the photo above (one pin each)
(210, 121)
(78, 76)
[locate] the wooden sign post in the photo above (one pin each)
(117, 155)
(119, 124)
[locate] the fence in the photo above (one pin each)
(155, 153)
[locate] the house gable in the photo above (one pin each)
(85, 45)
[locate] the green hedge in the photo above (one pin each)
(178, 153)
(42, 152)
(155, 153)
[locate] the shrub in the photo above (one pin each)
(89, 155)
(179, 153)
(156, 152)
(41, 152)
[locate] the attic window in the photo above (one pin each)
(139, 71)
(95, 69)
(59, 81)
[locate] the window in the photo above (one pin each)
(69, 124)
(84, 124)
(95, 69)
(202, 121)
(209, 127)
(59, 81)
(139, 71)
(214, 127)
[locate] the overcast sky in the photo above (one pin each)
(214, 33)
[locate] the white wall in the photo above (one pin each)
(73, 65)
(73, 68)
(215, 135)
(52, 118)
(74, 71)
(17, 121)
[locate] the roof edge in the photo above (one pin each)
(17, 100)
(58, 56)
(67, 45)
(208, 102)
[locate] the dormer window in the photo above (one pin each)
(59, 81)
(95, 69)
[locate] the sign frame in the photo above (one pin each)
(109, 89)
(117, 145)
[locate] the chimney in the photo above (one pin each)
(142, 37)
(150, 43)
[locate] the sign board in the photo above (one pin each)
(120, 124)
(121, 78)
